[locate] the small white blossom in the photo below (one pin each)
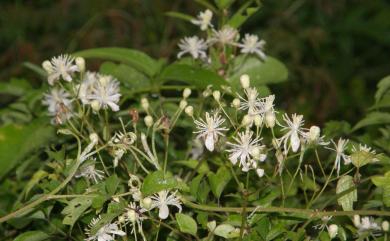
(251, 102)
(106, 92)
(85, 89)
(194, 46)
(133, 216)
(332, 230)
(105, 233)
(90, 172)
(162, 200)
(339, 148)
(62, 66)
(59, 105)
(367, 224)
(245, 150)
(294, 131)
(203, 19)
(313, 137)
(227, 35)
(251, 45)
(209, 129)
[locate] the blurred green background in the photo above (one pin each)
(336, 50)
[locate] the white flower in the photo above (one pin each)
(62, 66)
(365, 148)
(162, 200)
(105, 233)
(227, 35)
(203, 20)
(339, 148)
(251, 102)
(134, 217)
(251, 45)
(59, 105)
(367, 224)
(85, 89)
(210, 129)
(90, 172)
(106, 92)
(294, 131)
(245, 150)
(313, 137)
(193, 45)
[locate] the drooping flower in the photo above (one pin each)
(106, 92)
(62, 66)
(162, 200)
(203, 19)
(251, 45)
(90, 172)
(194, 46)
(133, 216)
(294, 131)
(105, 233)
(225, 36)
(246, 150)
(340, 148)
(59, 105)
(209, 129)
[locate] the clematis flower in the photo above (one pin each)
(59, 105)
(194, 46)
(251, 45)
(162, 200)
(226, 36)
(105, 233)
(62, 66)
(209, 129)
(105, 93)
(203, 19)
(90, 172)
(293, 133)
(339, 148)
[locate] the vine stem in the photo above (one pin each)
(311, 213)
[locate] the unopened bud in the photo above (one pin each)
(246, 120)
(245, 81)
(236, 103)
(145, 104)
(121, 219)
(131, 215)
(146, 203)
(385, 226)
(356, 220)
(80, 62)
(260, 172)
(183, 104)
(95, 105)
(332, 230)
(314, 133)
(148, 121)
(46, 65)
(258, 120)
(217, 95)
(186, 92)
(94, 137)
(189, 110)
(255, 152)
(270, 119)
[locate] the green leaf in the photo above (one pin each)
(32, 236)
(383, 87)
(346, 201)
(112, 183)
(192, 75)
(223, 4)
(134, 58)
(157, 181)
(40, 174)
(219, 180)
(35, 68)
(179, 15)
(226, 231)
(260, 72)
(75, 209)
(186, 223)
(17, 87)
(194, 164)
(384, 183)
(242, 14)
(362, 158)
(373, 118)
(17, 142)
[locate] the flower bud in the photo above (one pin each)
(356, 220)
(245, 81)
(148, 121)
(94, 137)
(246, 120)
(146, 203)
(385, 226)
(186, 92)
(217, 95)
(255, 153)
(270, 119)
(46, 65)
(314, 133)
(236, 103)
(189, 110)
(332, 230)
(121, 219)
(183, 104)
(145, 104)
(260, 172)
(131, 215)
(80, 63)
(95, 105)
(258, 120)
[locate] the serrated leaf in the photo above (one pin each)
(346, 201)
(260, 72)
(75, 209)
(157, 181)
(373, 118)
(192, 75)
(219, 180)
(134, 58)
(186, 223)
(32, 236)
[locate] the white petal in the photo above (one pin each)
(209, 142)
(163, 212)
(260, 172)
(295, 142)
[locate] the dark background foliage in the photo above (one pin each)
(336, 51)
